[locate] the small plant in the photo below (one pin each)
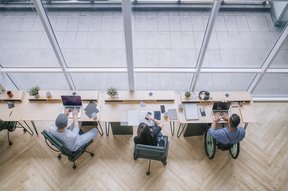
(112, 92)
(187, 94)
(34, 91)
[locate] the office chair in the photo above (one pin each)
(152, 153)
(210, 145)
(57, 146)
(10, 126)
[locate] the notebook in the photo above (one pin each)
(191, 111)
(72, 102)
(172, 114)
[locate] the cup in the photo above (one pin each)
(9, 93)
(180, 107)
(94, 115)
(142, 104)
(166, 114)
(48, 94)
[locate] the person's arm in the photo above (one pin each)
(216, 118)
(156, 121)
(75, 118)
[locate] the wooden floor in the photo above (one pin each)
(262, 165)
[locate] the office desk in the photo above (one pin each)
(242, 105)
(116, 109)
(38, 109)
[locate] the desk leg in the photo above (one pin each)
(172, 125)
(100, 128)
(34, 126)
(30, 130)
(179, 133)
(245, 126)
(107, 128)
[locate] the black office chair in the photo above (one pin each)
(152, 153)
(10, 126)
(57, 146)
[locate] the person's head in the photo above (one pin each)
(234, 121)
(146, 134)
(61, 121)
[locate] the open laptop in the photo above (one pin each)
(221, 106)
(72, 102)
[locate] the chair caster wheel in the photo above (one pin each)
(92, 154)
(148, 173)
(164, 163)
(10, 143)
(59, 156)
(74, 166)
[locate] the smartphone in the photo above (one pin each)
(157, 115)
(162, 107)
(148, 113)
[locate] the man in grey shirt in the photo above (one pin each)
(69, 135)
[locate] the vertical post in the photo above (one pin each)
(270, 58)
(205, 42)
(53, 41)
(126, 11)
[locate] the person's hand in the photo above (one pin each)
(217, 116)
(149, 117)
(75, 113)
(225, 116)
(66, 111)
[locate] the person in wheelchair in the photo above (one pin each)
(228, 136)
(71, 136)
(149, 135)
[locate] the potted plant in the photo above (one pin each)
(187, 94)
(34, 91)
(112, 92)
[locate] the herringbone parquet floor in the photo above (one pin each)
(262, 165)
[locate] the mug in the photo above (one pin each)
(94, 116)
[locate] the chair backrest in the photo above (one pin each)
(9, 125)
(152, 152)
(55, 142)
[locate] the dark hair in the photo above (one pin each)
(234, 120)
(146, 137)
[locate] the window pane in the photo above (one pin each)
(272, 85)
(224, 82)
(162, 81)
(23, 41)
(100, 81)
(46, 81)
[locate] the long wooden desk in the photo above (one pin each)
(116, 109)
(43, 109)
(242, 105)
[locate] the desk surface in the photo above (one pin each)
(118, 111)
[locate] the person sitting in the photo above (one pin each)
(149, 135)
(231, 134)
(69, 135)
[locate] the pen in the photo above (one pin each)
(10, 113)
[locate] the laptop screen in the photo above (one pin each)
(220, 106)
(71, 101)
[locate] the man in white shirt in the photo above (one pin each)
(69, 135)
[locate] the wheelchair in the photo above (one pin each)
(210, 145)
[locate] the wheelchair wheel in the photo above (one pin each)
(235, 150)
(209, 144)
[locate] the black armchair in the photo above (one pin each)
(57, 146)
(152, 153)
(10, 126)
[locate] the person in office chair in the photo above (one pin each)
(149, 135)
(231, 134)
(69, 135)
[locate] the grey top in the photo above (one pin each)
(225, 136)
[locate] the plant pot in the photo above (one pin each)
(37, 96)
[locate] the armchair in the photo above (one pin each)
(152, 153)
(57, 146)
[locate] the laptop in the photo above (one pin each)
(221, 106)
(72, 102)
